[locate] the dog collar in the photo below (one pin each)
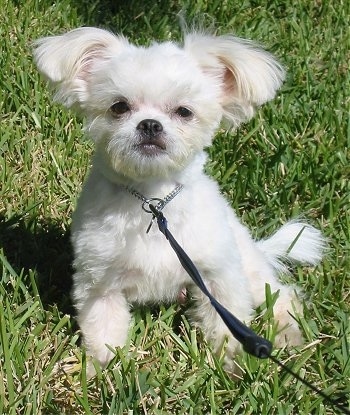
(161, 203)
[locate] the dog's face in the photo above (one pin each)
(151, 110)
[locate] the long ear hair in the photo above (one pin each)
(66, 60)
(248, 75)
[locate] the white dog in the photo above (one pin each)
(151, 112)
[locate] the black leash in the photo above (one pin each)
(251, 342)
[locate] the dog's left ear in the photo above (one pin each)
(247, 75)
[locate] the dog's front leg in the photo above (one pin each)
(104, 320)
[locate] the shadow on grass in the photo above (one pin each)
(44, 248)
(103, 12)
(137, 20)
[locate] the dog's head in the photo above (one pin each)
(151, 110)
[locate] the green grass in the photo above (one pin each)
(291, 160)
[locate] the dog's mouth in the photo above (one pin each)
(152, 146)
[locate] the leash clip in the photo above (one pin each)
(154, 209)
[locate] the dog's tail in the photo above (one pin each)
(293, 242)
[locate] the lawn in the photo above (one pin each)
(291, 160)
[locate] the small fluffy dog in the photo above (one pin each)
(151, 112)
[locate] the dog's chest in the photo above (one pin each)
(151, 270)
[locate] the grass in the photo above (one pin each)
(291, 160)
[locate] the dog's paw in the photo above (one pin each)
(289, 335)
(288, 331)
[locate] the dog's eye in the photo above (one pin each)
(183, 112)
(120, 107)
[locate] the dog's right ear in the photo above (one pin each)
(67, 60)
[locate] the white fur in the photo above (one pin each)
(116, 262)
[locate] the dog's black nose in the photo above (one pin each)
(150, 127)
